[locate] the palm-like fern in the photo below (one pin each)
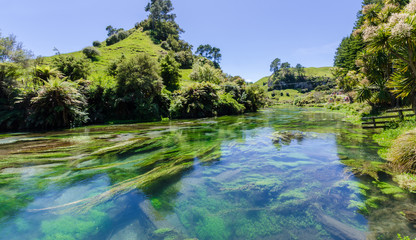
(57, 104)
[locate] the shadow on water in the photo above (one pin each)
(277, 174)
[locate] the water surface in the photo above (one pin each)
(221, 178)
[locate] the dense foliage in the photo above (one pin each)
(67, 90)
(58, 104)
(378, 60)
(72, 68)
(206, 99)
(170, 73)
(138, 86)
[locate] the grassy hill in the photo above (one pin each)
(136, 43)
(312, 71)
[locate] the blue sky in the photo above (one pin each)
(250, 33)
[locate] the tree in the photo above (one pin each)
(12, 51)
(347, 52)
(216, 56)
(392, 29)
(204, 51)
(275, 66)
(138, 85)
(300, 70)
(43, 73)
(111, 30)
(160, 10)
(58, 104)
(209, 52)
(169, 69)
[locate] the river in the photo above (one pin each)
(277, 174)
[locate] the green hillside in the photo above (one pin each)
(311, 71)
(318, 72)
(137, 42)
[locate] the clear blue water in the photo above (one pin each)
(222, 178)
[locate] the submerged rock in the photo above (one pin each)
(286, 137)
(338, 229)
(133, 231)
(170, 221)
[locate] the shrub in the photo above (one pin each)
(165, 45)
(196, 101)
(206, 73)
(12, 113)
(254, 98)
(73, 68)
(402, 154)
(227, 105)
(170, 73)
(58, 104)
(138, 85)
(112, 40)
(100, 103)
(185, 58)
(115, 38)
(91, 52)
(9, 72)
(44, 72)
(96, 44)
(121, 35)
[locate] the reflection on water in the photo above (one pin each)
(224, 178)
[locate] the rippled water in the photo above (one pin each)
(220, 178)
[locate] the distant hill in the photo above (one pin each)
(311, 71)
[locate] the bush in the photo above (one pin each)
(115, 38)
(138, 86)
(185, 58)
(165, 45)
(206, 73)
(13, 113)
(91, 52)
(322, 88)
(196, 101)
(112, 40)
(253, 98)
(402, 154)
(96, 44)
(121, 35)
(58, 104)
(43, 73)
(170, 73)
(227, 105)
(73, 68)
(100, 104)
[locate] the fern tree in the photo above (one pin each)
(58, 104)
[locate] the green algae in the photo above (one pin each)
(389, 189)
(74, 227)
(363, 167)
(246, 189)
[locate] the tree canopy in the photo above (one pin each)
(160, 10)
